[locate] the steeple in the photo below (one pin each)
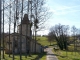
(25, 24)
(25, 19)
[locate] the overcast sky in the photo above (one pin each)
(66, 12)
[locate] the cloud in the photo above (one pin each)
(61, 10)
(66, 7)
(45, 32)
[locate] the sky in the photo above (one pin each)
(65, 12)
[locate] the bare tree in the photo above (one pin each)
(74, 33)
(3, 29)
(14, 10)
(60, 33)
(0, 28)
(39, 14)
(51, 37)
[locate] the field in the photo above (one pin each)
(68, 55)
(17, 57)
(63, 55)
(41, 56)
(44, 41)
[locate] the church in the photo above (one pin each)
(24, 35)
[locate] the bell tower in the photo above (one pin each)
(26, 30)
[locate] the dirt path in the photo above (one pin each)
(50, 54)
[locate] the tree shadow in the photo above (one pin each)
(75, 59)
(53, 54)
(40, 55)
(17, 56)
(24, 56)
(63, 56)
(59, 55)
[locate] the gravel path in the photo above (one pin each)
(50, 54)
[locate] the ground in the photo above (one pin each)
(50, 54)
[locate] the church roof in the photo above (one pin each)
(25, 19)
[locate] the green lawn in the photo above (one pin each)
(17, 57)
(41, 56)
(63, 55)
(44, 41)
(68, 55)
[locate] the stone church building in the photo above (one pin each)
(27, 43)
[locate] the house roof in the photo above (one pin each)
(25, 19)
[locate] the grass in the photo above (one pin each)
(63, 55)
(17, 57)
(44, 41)
(36, 56)
(68, 55)
(43, 56)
